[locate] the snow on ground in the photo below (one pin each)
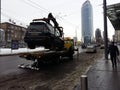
(6, 51)
(9, 51)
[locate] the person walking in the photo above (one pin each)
(114, 52)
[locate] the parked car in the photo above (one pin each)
(83, 46)
(91, 49)
(102, 46)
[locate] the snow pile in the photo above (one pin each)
(9, 51)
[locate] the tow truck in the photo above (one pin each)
(48, 56)
(57, 45)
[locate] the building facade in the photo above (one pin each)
(13, 32)
(117, 36)
(2, 37)
(87, 22)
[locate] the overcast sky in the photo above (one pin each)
(66, 12)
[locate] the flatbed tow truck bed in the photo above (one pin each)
(44, 57)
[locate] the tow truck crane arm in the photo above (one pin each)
(56, 25)
(51, 18)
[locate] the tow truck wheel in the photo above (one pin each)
(71, 52)
(71, 57)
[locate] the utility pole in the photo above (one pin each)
(0, 14)
(0, 24)
(105, 29)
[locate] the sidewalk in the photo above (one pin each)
(102, 76)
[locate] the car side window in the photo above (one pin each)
(57, 33)
(51, 29)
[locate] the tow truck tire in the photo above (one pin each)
(71, 52)
(71, 57)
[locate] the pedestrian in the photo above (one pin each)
(114, 52)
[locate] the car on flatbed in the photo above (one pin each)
(41, 32)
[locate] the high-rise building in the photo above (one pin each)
(98, 33)
(87, 22)
(98, 36)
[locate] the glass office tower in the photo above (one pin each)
(87, 22)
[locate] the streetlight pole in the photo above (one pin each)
(0, 24)
(0, 14)
(105, 29)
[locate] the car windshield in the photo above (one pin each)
(37, 27)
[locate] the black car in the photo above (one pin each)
(40, 33)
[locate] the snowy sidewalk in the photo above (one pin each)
(9, 51)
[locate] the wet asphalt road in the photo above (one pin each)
(9, 64)
(63, 76)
